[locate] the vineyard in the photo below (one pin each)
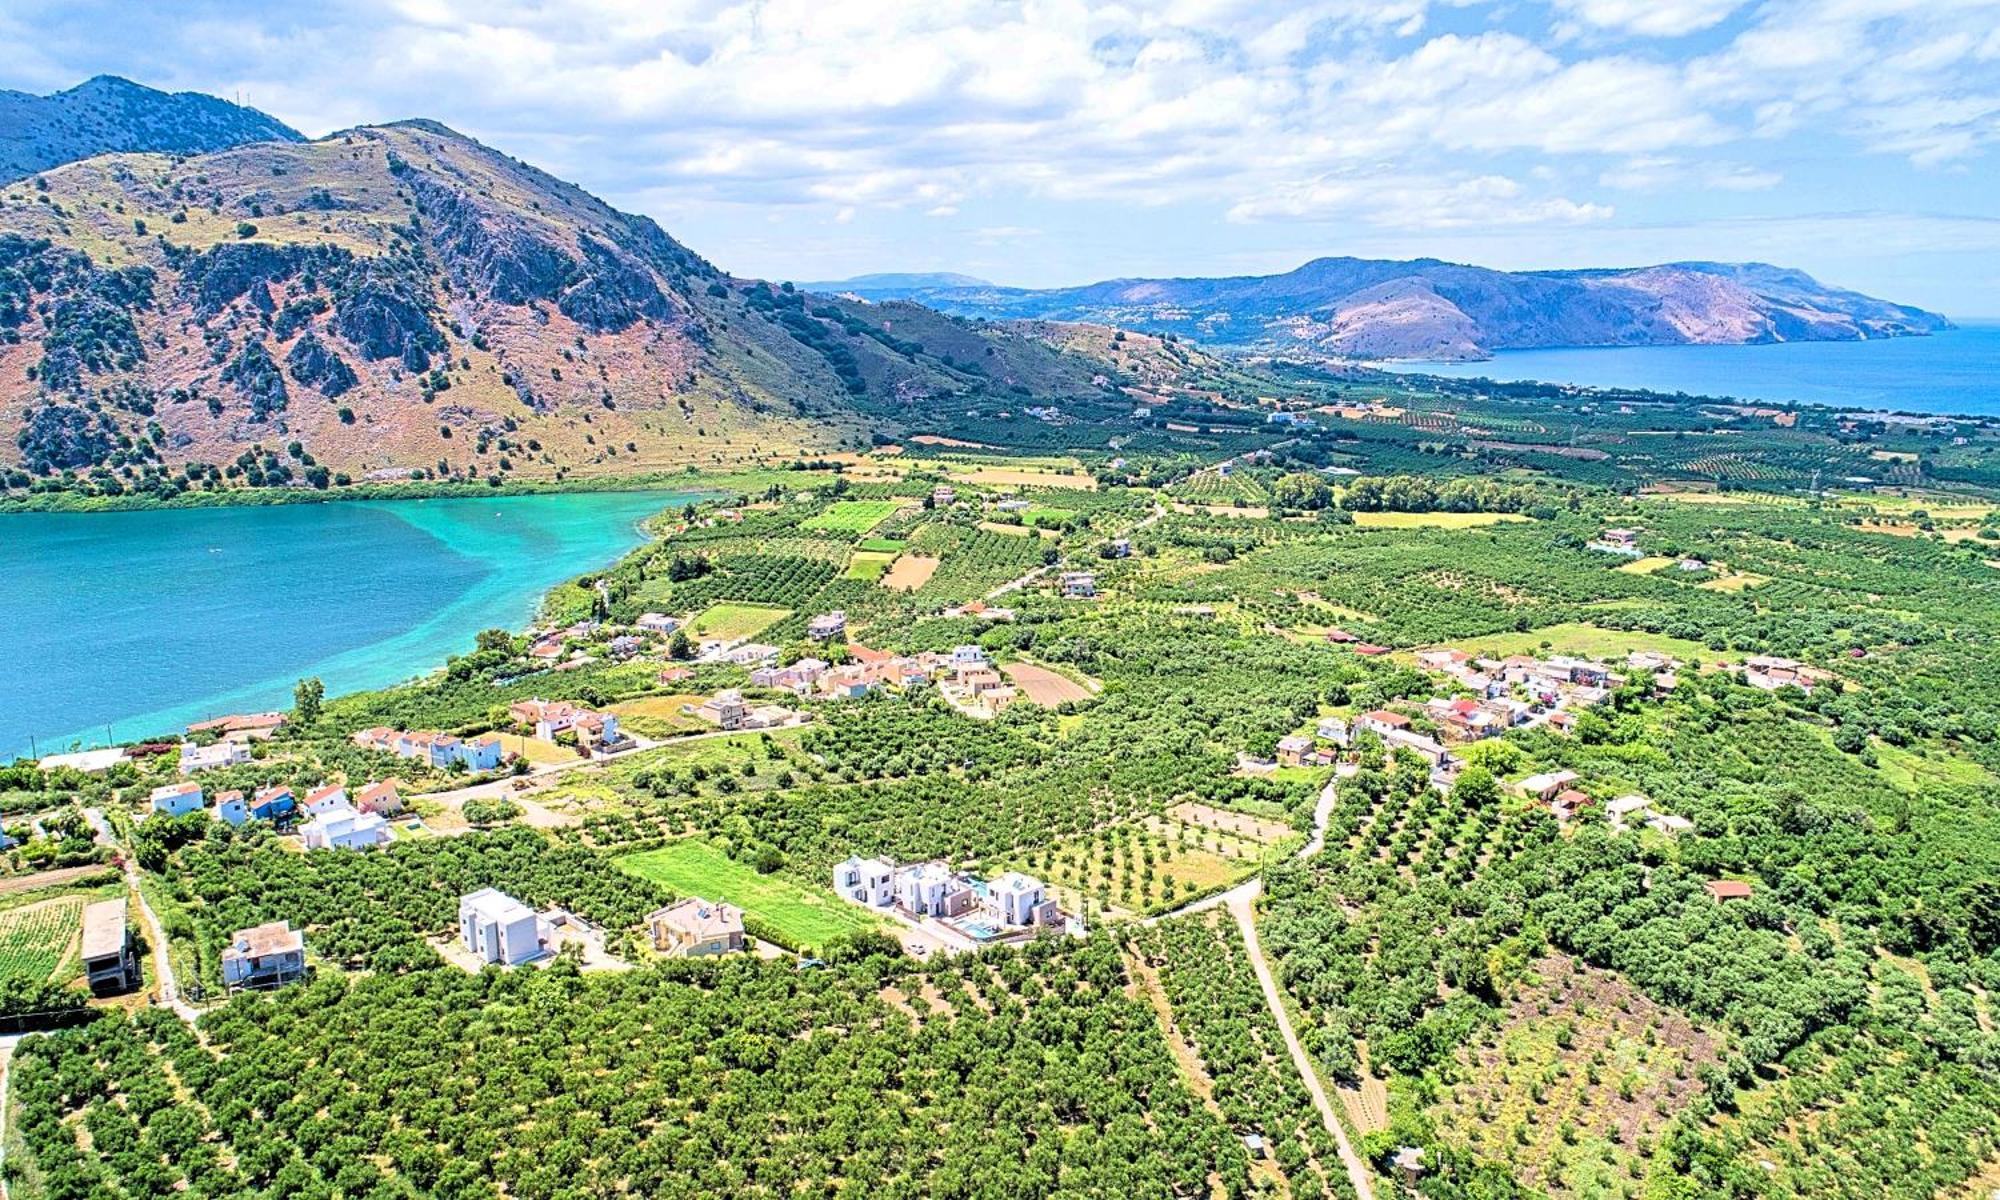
(38, 942)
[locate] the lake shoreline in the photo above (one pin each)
(248, 497)
(149, 610)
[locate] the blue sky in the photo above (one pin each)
(1056, 142)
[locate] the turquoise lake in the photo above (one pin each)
(1955, 372)
(144, 621)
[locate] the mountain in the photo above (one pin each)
(402, 300)
(1356, 308)
(108, 114)
(893, 285)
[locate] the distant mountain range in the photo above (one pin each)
(894, 285)
(108, 114)
(1354, 308)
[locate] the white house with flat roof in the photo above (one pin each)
(221, 754)
(1018, 899)
(497, 928)
(869, 881)
(343, 827)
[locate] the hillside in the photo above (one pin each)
(108, 114)
(403, 301)
(1426, 309)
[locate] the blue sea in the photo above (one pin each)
(1956, 372)
(129, 624)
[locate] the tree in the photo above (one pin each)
(307, 699)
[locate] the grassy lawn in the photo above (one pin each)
(868, 565)
(536, 751)
(1644, 566)
(1591, 642)
(852, 516)
(1431, 520)
(808, 916)
(728, 621)
(881, 545)
(660, 716)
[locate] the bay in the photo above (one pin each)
(1956, 372)
(130, 624)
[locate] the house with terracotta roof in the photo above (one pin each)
(696, 928)
(273, 803)
(382, 798)
(1381, 722)
(1725, 890)
(230, 809)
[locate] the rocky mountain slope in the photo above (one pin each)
(108, 114)
(1427, 309)
(403, 301)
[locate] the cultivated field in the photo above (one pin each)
(869, 565)
(804, 915)
(1042, 686)
(38, 941)
(729, 621)
(1590, 641)
(1432, 520)
(852, 516)
(911, 572)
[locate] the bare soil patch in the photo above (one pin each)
(1043, 686)
(910, 572)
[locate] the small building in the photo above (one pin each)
(1725, 890)
(724, 710)
(827, 626)
(1381, 722)
(969, 656)
(1332, 729)
(273, 803)
(220, 754)
(623, 646)
(943, 496)
(1292, 750)
(1018, 899)
(230, 809)
(659, 623)
(932, 890)
(1078, 585)
(1429, 749)
(177, 799)
(1546, 786)
(1568, 803)
(1340, 637)
(867, 881)
(241, 726)
(342, 827)
(110, 961)
(329, 798)
(496, 928)
(1121, 548)
(695, 928)
(269, 955)
(381, 798)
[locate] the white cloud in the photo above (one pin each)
(1482, 201)
(1651, 18)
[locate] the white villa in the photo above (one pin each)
(972, 910)
(866, 881)
(497, 928)
(342, 827)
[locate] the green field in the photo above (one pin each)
(852, 516)
(1590, 641)
(807, 916)
(1432, 520)
(881, 545)
(39, 940)
(868, 565)
(729, 621)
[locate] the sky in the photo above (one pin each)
(1052, 142)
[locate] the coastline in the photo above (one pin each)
(689, 480)
(491, 595)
